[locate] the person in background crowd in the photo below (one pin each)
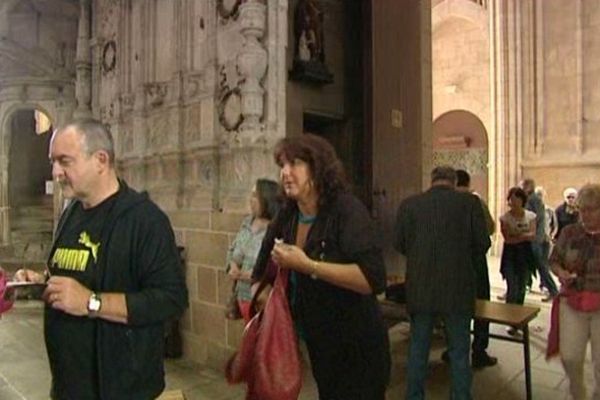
(443, 235)
(567, 213)
(535, 204)
(576, 312)
(241, 256)
(549, 229)
(328, 240)
(517, 262)
(114, 276)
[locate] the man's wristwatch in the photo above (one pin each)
(94, 304)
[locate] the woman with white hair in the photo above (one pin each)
(567, 213)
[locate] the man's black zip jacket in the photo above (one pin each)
(134, 253)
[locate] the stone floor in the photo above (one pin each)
(24, 373)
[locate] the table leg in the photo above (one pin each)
(527, 356)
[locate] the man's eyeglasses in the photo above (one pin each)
(570, 197)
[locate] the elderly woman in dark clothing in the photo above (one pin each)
(329, 243)
(567, 213)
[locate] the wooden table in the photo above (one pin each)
(513, 315)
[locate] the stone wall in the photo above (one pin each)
(195, 113)
(569, 103)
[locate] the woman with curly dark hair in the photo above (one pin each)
(326, 238)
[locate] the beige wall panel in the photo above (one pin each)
(226, 221)
(207, 248)
(207, 284)
(208, 321)
(165, 40)
(560, 85)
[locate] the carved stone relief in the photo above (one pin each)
(228, 9)
(126, 139)
(192, 125)
(194, 85)
(230, 110)
(109, 57)
(156, 93)
(205, 173)
(241, 167)
(473, 160)
(107, 112)
(157, 130)
(127, 101)
(252, 64)
(108, 13)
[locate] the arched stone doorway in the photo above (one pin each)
(11, 153)
(461, 141)
(31, 207)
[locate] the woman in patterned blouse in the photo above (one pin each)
(575, 260)
(244, 249)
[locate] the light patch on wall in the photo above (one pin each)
(42, 122)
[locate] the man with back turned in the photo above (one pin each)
(442, 232)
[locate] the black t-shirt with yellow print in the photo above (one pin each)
(76, 255)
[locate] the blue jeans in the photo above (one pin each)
(458, 337)
(541, 252)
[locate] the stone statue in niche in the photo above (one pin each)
(308, 29)
(309, 52)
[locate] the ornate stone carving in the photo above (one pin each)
(230, 110)
(473, 160)
(126, 140)
(127, 101)
(252, 64)
(228, 8)
(158, 130)
(194, 85)
(156, 93)
(107, 112)
(109, 57)
(193, 115)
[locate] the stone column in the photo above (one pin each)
(252, 64)
(4, 207)
(83, 64)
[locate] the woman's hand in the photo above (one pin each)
(27, 275)
(291, 257)
(565, 277)
(262, 297)
(234, 271)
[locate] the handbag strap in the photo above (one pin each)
(281, 279)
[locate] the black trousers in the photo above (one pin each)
(481, 329)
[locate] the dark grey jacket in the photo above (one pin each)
(441, 232)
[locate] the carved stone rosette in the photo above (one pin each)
(252, 64)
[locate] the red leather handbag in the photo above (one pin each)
(5, 303)
(268, 359)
